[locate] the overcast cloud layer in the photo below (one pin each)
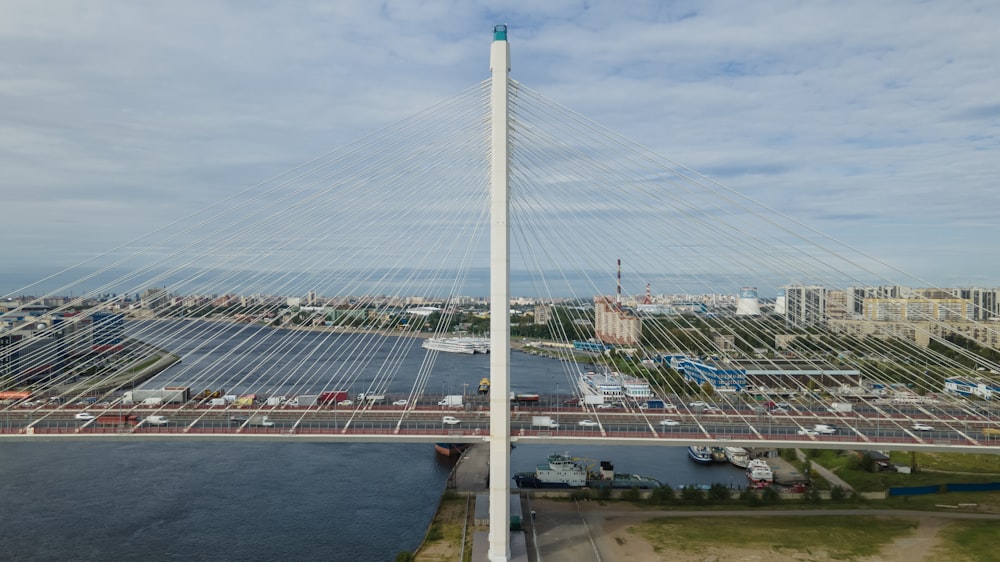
(876, 123)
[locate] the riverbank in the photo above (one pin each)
(581, 525)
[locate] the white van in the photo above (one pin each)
(157, 420)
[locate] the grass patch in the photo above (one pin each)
(968, 541)
(843, 537)
(933, 468)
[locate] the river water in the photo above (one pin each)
(266, 500)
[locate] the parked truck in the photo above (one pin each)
(451, 401)
(260, 420)
(544, 421)
(841, 407)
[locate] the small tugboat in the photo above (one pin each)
(563, 471)
(484, 386)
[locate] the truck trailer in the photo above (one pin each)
(332, 396)
(123, 420)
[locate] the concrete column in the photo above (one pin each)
(499, 303)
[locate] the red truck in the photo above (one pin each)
(332, 397)
(118, 421)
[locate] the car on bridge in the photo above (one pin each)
(808, 432)
(587, 423)
(345, 403)
(84, 416)
(400, 403)
(450, 420)
(922, 427)
(669, 422)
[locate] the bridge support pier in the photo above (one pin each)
(499, 549)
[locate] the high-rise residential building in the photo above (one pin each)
(805, 305)
(614, 324)
(985, 302)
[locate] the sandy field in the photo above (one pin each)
(610, 532)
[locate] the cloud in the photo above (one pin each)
(118, 118)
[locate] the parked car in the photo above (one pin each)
(669, 422)
(587, 423)
(84, 416)
(451, 420)
(922, 427)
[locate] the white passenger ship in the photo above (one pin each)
(468, 345)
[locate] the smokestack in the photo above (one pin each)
(618, 295)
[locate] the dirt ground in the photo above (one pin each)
(612, 532)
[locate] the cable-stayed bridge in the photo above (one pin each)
(326, 278)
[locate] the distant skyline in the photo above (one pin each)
(875, 123)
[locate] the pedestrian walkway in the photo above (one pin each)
(826, 473)
(472, 473)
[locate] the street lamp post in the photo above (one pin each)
(557, 404)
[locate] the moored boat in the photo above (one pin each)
(737, 456)
(563, 471)
(718, 454)
(759, 474)
(451, 449)
(700, 455)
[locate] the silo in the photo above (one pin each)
(748, 305)
(779, 303)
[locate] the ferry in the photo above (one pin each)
(759, 474)
(737, 456)
(700, 455)
(563, 471)
(466, 345)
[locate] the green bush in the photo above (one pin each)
(750, 498)
(664, 495)
(719, 493)
(692, 496)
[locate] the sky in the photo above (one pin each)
(874, 122)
